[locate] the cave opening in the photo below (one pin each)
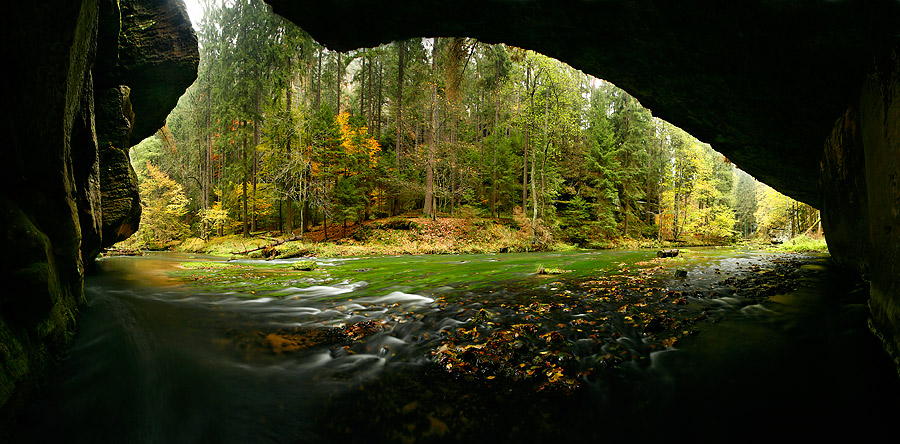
(803, 96)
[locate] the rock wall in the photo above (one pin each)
(85, 79)
(860, 189)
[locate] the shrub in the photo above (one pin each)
(364, 232)
(467, 212)
(804, 244)
(193, 245)
(401, 224)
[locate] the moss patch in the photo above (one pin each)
(304, 265)
(803, 244)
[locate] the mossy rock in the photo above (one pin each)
(205, 265)
(401, 224)
(288, 250)
(304, 265)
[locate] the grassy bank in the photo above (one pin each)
(391, 236)
(802, 244)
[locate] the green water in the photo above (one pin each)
(431, 274)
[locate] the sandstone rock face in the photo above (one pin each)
(860, 186)
(85, 158)
(77, 70)
(40, 261)
(803, 95)
(120, 196)
(158, 51)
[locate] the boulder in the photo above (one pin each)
(667, 253)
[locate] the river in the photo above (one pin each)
(716, 345)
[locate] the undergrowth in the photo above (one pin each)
(802, 244)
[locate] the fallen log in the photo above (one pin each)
(667, 253)
(274, 244)
(121, 252)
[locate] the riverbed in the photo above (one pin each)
(714, 345)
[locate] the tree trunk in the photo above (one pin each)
(648, 185)
(256, 138)
(370, 108)
(290, 206)
(525, 147)
(675, 203)
(546, 150)
(246, 224)
(202, 174)
(362, 87)
(453, 166)
(206, 161)
(496, 139)
(534, 202)
(318, 77)
(429, 209)
(378, 106)
(401, 62)
(624, 195)
(337, 82)
(480, 130)
(302, 200)
(307, 208)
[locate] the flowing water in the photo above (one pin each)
(716, 345)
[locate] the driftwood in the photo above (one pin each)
(667, 253)
(274, 244)
(121, 252)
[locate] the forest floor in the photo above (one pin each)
(389, 236)
(413, 234)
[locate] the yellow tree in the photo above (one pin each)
(164, 206)
(772, 210)
(355, 186)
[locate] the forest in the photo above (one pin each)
(281, 135)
